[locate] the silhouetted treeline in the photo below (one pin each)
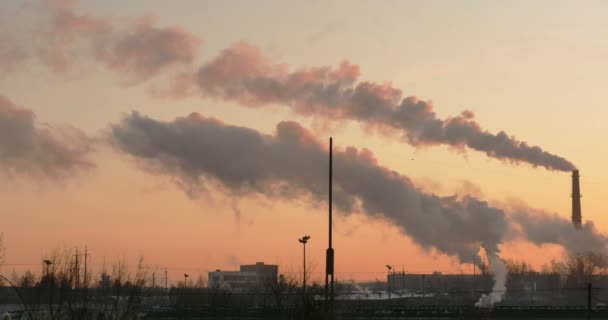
(64, 290)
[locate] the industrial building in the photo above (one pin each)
(251, 277)
(576, 200)
(439, 282)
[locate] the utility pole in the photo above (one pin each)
(589, 300)
(402, 277)
(473, 286)
(388, 280)
(86, 278)
(303, 241)
(166, 280)
(76, 270)
(329, 256)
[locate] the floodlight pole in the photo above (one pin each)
(329, 256)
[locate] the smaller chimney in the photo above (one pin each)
(576, 200)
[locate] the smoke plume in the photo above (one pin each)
(244, 75)
(135, 49)
(540, 227)
(139, 50)
(291, 162)
(31, 148)
(500, 283)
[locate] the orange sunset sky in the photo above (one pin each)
(536, 70)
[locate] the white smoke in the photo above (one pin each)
(500, 280)
(243, 74)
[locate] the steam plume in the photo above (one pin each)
(136, 49)
(199, 150)
(292, 162)
(140, 51)
(242, 74)
(39, 149)
(541, 227)
(500, 283)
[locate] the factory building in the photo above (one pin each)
(252, 277)
(439, 282)
(265, 273)
(576, 200)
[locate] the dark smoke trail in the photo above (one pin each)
(291, 163)
(39, 149)
(242, 74)
(540, 227)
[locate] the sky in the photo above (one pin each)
(535, 70)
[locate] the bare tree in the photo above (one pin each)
(516, 267)
(57, 296)
(201, 282)
(127, 289)
(27, 280)
(585, 267)
(282, 290)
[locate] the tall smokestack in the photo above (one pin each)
(576, 200)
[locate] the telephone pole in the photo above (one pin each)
(166, 281)
(76, 270)
(86, 257)
(329, 254)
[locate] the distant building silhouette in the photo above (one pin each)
(250, 277)
(438, 282)
(266, 273)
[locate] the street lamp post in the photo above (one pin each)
(186, 280)
(388, 280)
(303, 241)
(47, 264)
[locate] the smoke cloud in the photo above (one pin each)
(540, 227)
(500, 284)
(135, 49)
(139, 50)
(244, 75)
(291, 162)
(35, 149)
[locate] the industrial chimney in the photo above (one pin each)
(576, 200)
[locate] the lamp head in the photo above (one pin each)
(304, 239)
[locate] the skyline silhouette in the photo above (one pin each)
(199, 142)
